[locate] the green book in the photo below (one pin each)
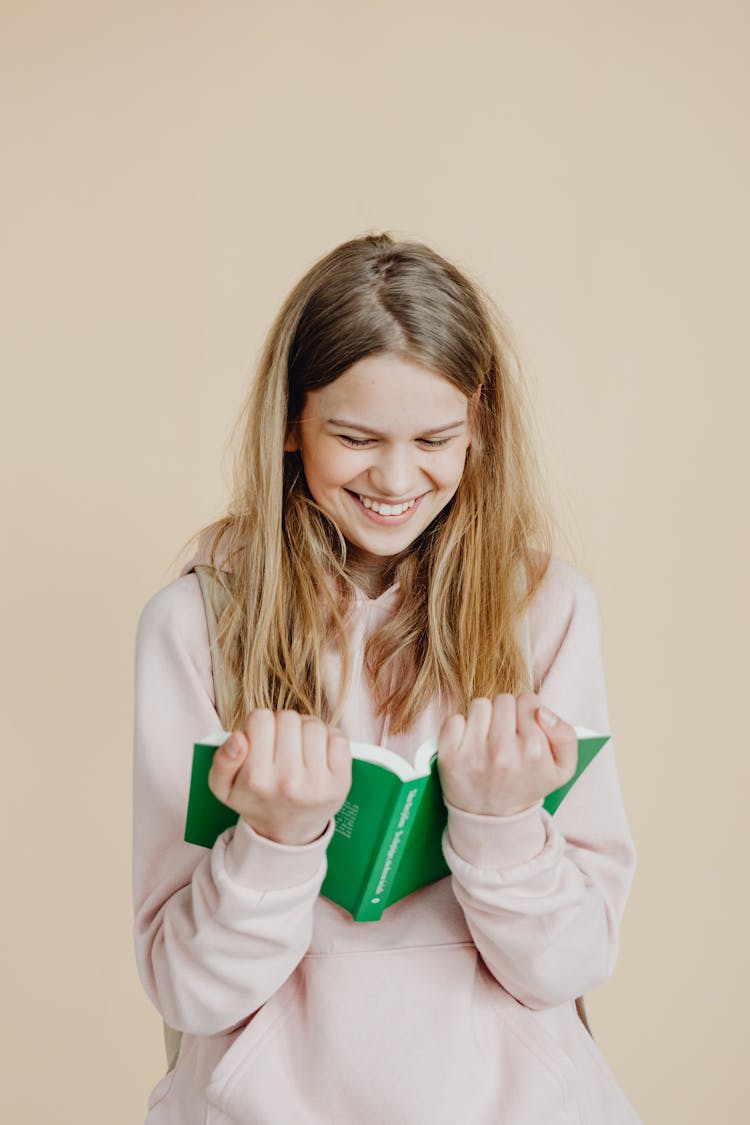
(388, 836)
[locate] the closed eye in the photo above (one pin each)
(362, 443)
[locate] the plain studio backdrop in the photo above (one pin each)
(170, 170)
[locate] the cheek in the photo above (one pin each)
(453, 468)
(328, 468)
(338, 468)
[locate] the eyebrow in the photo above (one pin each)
(366, 429)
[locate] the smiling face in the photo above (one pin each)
(383, 449)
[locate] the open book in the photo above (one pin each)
(387, 841)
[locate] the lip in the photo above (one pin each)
(387, 499)
(386, 521)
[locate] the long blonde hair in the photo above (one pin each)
(466, 581)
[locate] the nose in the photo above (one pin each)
(394, 473)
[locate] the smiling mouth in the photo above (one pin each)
(385, 511)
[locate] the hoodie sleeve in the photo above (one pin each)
(544, 895)
(216, 931)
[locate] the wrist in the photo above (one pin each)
(497, 810)
(256, 862)
(292, 836)
(488, 841)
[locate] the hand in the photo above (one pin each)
(289, 774)
(499, 760)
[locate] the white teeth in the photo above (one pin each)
(386, 509)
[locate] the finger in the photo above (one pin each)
(527, 705)
(287, 751)
(227, 762)
(534, 743)
(260, 729)
(314, 744)
(339, 753)
(451, 733)
(501, 734)
(562, 740)
(478, 719)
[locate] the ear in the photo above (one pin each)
(291, 444)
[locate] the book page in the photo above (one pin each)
(424, 755)
(388, 760)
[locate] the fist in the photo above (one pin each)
(285, 774)
(502, 758)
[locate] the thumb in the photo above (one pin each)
(227, 760)
(562, 739)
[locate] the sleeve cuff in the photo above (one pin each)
(495, 842)
(255, 862)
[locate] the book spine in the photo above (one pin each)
(373, 898)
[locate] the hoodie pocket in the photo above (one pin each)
(527, 1027)
(239, 1056)
(404, 1036)
(160, 1090)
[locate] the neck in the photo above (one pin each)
(371, 573)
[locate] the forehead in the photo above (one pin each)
(385, 390)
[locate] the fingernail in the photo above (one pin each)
(548, 718)
(231, 747)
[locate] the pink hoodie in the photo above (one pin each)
(458, 1005)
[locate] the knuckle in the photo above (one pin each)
(259, 722)
(259, 790)
(504, 761)
(288, 718)
(503, 708)
(256, 781)
(288, 788)
(260, 715)
(340, 750)
(503, 767)
(478, 764)
(314, 732)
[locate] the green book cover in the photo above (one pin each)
(388, 836)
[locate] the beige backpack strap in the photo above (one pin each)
(214, 600)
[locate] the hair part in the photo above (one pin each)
(464, 583)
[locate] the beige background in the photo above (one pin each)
(170, 169)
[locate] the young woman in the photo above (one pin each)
(385, 575)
